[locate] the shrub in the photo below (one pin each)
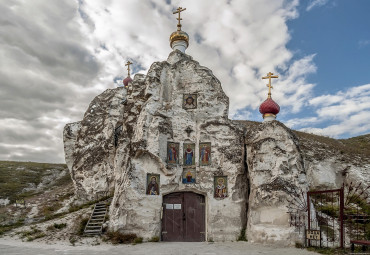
(154, 239)
(60, 226)
(138, 240)
(116, 237)
(81, 226)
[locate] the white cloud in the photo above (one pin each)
(345, 112)
(316, 3)
(58, 55)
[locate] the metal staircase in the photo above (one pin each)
(95, 224)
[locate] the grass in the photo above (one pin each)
(56, 226)
(81, 226)
(242, 236)
(16, 176)
(32, 234)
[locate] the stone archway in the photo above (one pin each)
(183, 217)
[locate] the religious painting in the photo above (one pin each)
(188, 175)
(152, 184)
(189, 154)
(220, 184)
(172, 153)
(204, 154)
(189, 101)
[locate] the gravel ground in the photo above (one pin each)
(227, 248)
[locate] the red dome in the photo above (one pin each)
(126, 81)
(269, 106)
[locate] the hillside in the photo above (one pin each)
(20, 180)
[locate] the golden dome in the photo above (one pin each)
(179, 35)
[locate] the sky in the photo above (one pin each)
(56, 56)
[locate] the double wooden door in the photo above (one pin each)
(183, 217)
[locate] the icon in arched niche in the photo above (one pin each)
(172, 153)
(189, 154)
(204, 154)
(152, 184)
(188, 175)
(220, 184)
(189, 101)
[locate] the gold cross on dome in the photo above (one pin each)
(179, 10)
(128, 67)
(269, 76)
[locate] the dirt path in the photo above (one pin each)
(9, 247)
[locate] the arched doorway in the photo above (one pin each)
(183, 217)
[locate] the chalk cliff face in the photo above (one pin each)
(90, 145)
(124, 138)
(276, 170)
(145, 121)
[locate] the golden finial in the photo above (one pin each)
(269, 76)
(128, 67)
(179, 10)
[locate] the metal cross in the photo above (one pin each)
(179, 10)
(188, 130)
(269, 76)
(128, 67)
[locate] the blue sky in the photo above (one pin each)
(56, 56)
(338, 33)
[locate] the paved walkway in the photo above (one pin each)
(227, 248)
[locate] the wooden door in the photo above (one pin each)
(183, 217)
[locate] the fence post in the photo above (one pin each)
(309, 215)
(341, 217)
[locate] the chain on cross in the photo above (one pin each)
(270, 76)
(179, 10)
(128, 67)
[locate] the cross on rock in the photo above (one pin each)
(188, 130)
(269, 76)
(128, 67)
(179, 10)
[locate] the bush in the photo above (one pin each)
(60, 226)
(116, 237)
(154, 239)
(138, 240)
(81, 226)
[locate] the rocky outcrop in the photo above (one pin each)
(276, 170)
(90, 144)
(147, 118)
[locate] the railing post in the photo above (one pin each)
(309, 215)
(341, 217)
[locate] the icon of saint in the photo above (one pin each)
(190, 102)
(220, 190)
(153, 188)
(189, 176)
(172, 154)
(189, 155)
(204, 154)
